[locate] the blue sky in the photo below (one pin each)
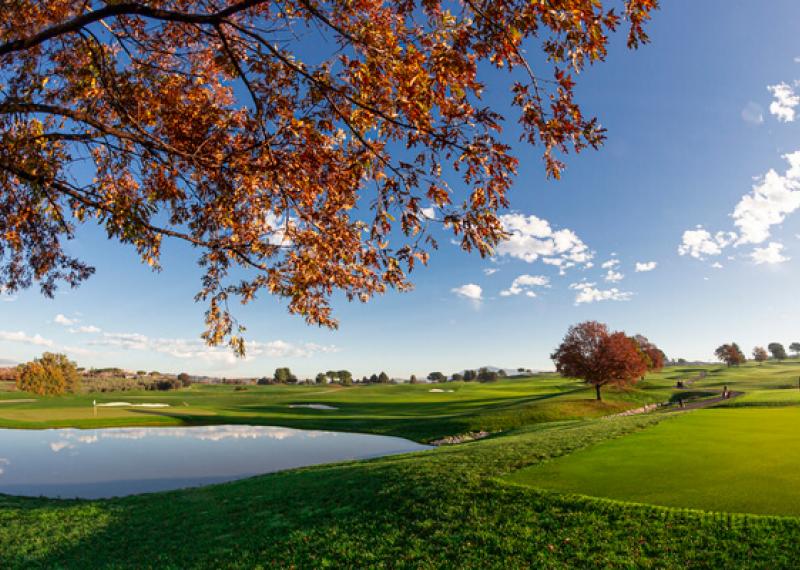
(702, 124)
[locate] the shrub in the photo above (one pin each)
(52, 374)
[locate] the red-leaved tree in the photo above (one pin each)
(590, 352)
(730, 354)
(299, 145)
(653, 356)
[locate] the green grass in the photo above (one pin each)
(447, 508)
(410, 411)
(459, 506)
(734, 460)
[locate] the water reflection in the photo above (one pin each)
(122, 461)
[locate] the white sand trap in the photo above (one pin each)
(17, 401)
(439, 390)
(129, 405)
(313, 406)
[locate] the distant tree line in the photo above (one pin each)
(732, 355)
(284, 375)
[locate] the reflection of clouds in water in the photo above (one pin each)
(3, 463)
(205, 433)
(57, 446)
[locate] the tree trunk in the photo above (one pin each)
(597, 389)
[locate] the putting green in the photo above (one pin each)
(743, 460)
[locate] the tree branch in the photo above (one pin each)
(125, 8)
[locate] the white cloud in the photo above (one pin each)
(771, 254)
(62, 320)
(613, 276)
(771, 200)
(77, 350)
(785, 102)
(276, 228)
(642, 267)
(589, 293)
(526, 284)
(197, 349)
(490, 271)
(753, 114)
(128, 341)
(21, 337)
(716, 265)
(469, 291)
(699, 242)
(610, 263)
(532, 238)
(87, 329)
(429, 213)
(282, 348)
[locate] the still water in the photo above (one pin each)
(99, 463)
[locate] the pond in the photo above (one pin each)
(101, 463)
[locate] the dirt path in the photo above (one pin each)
(675, 407)
(710, 402)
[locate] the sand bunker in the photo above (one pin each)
(313, 406)
(439, 390)
(129, 405)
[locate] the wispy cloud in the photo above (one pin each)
(63, 320)
(186, 349)
(86, 329)
(526, 284)
(589, 293)
(753, 114)
(24, 338)
(613, 276)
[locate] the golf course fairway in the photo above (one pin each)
(742, 460)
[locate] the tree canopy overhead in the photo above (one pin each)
(203, 121)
